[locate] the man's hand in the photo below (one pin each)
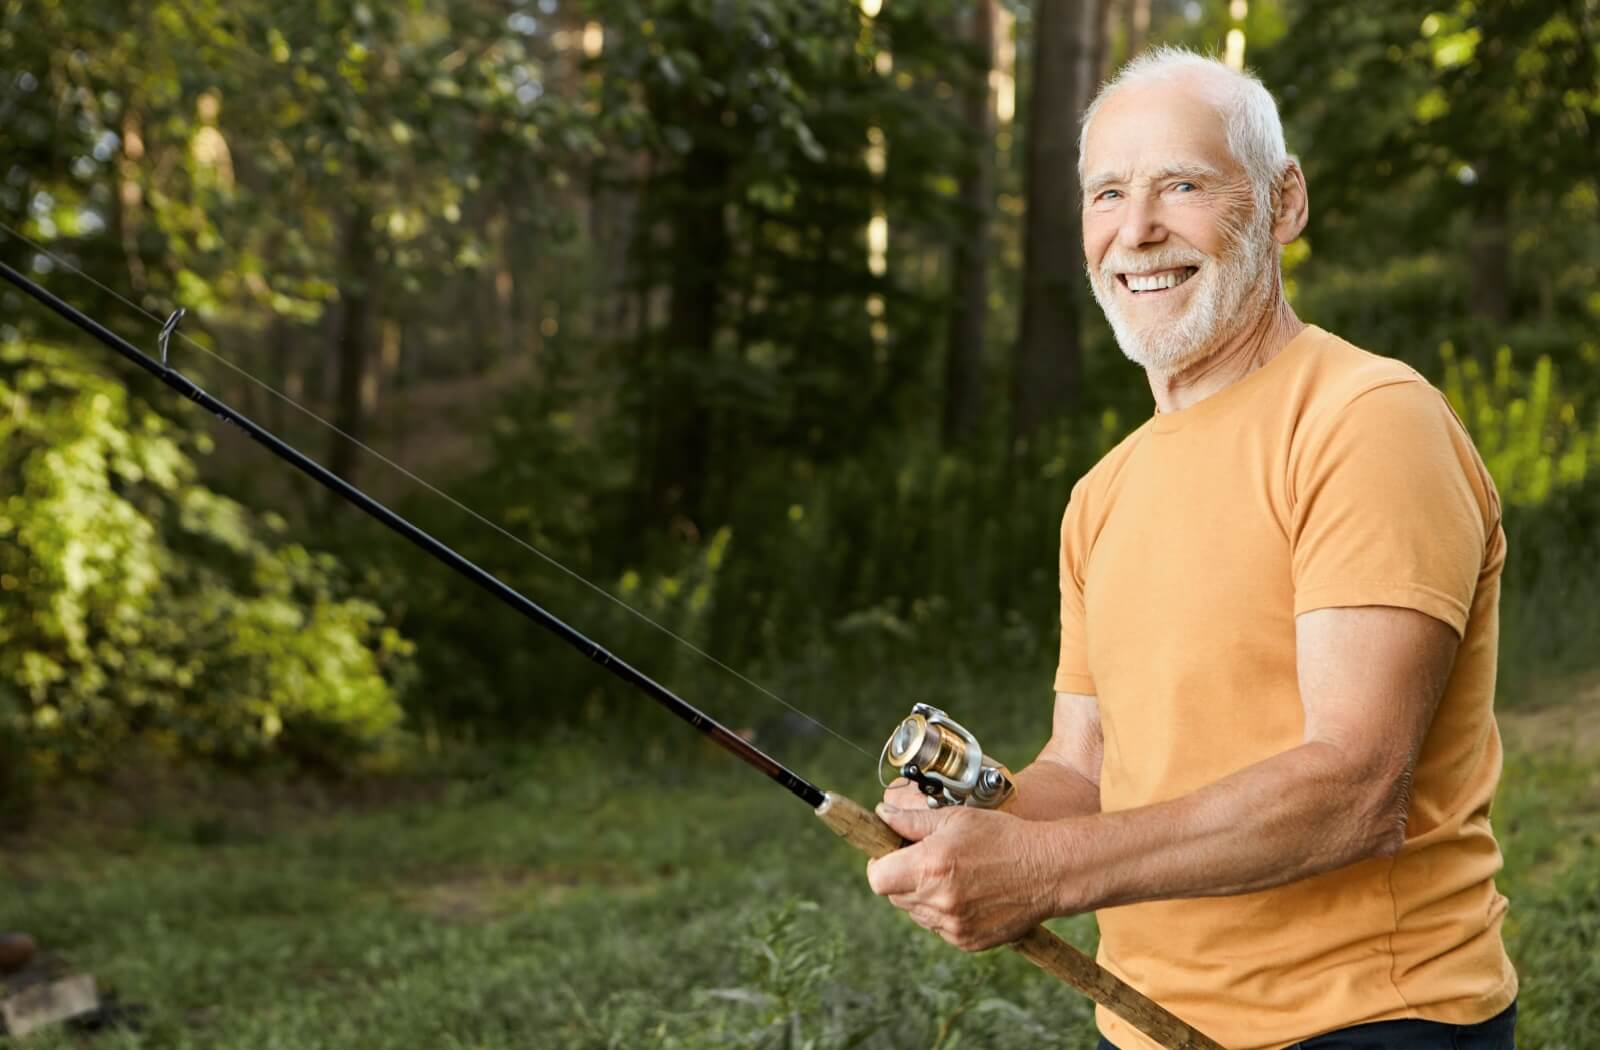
(977, 878)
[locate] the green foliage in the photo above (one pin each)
(1550, 597)
(789, 998)
(651, 216)
(1530, 436)
(1551, 841)
(908, 546)
(754, 121)
(139, 605)
(1539, 439)
(1449, 150)
(900, 552)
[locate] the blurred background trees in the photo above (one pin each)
(767, 315)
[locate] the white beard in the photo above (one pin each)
(1233, 287)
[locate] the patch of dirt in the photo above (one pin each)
(484, 896)
(433, 428)
(1571, 721)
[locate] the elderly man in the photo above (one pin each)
(1273, 748)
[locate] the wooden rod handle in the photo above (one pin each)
(863, 830)
(1060, 959)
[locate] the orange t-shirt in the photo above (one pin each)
(1327, 477)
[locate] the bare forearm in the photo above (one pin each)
(1291, 816)
(1064, 781)
(1051, 790)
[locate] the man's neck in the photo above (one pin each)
(1244, 352)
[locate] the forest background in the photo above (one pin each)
(767, 317)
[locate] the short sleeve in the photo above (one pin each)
(1072, 669)
(1390, 508)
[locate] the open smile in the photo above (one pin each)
(1156, 282)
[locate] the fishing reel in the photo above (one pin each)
(945, 761)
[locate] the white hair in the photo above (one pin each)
(1255, 133)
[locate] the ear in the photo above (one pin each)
(1294, 207)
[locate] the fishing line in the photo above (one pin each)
(436, 491)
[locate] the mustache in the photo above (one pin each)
(1169, 260)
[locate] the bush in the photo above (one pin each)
(137, 605)
(1542, 444)
(1531, 436)
(814, 570)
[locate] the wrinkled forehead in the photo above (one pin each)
(1143, 129)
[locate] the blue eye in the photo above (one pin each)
(1181, 185)
(1106, 195)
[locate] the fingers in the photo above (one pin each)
(913, 825)
(922, 912)
(951, 928)
(906, 869)
(894, 874)
(903, 794)
(903, 870)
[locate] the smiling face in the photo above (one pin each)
(1179, 256)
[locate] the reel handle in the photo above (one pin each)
(863, 830)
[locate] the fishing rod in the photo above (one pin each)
(937, 753)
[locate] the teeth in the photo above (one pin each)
(1156, 282)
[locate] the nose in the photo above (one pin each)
(1141, 223)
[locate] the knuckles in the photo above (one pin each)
(965, 938)
(937, 863)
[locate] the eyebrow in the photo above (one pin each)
(1177, 171)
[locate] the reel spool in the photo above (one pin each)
(945, 761)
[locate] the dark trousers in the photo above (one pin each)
(1497, 1033)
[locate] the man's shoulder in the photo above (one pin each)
(1356, 400)
(1336, 372)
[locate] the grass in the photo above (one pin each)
(570, 902)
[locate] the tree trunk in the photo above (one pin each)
(963, 385)
(1491, 247)
(1046, 364)
(352, 338)
(507, 297)
(283, 372)
(1137, 23)
(1104, 53)
(128, 202)
(681, 437)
